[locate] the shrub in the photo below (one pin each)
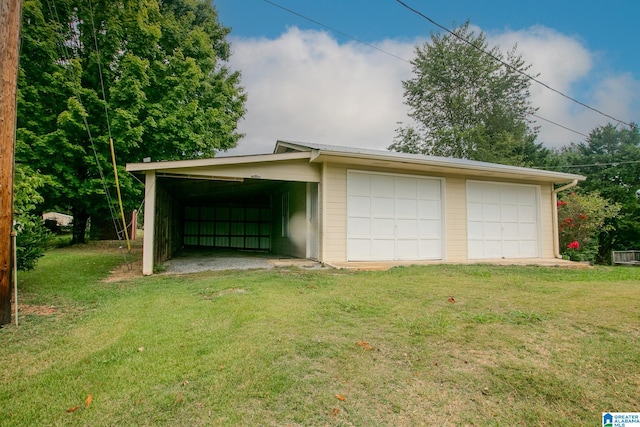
(581, 217)
(30, 240)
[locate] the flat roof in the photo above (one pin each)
(320, 153)
(323, 151)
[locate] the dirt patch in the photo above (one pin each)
(38, 310)
(225, 292)
(126, 271)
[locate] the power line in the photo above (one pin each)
(559, 125)
(71, 74)
(336, 31)
(510, 66)
(395, 56)
(628, 162)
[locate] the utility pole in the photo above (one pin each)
(10, 17)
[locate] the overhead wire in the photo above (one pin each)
(316, 22)
(337, 31)
(106, 111)
(511, 67)
(68, 59)
(559, 125)
(588, 165)
(53, 10)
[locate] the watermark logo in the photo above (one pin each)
(621, 419)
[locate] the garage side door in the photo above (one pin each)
(393, 217)
(502, 220)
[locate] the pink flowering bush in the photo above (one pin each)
(581, 217)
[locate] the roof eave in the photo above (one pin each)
(320, 156)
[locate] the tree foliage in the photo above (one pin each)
(31, 232)
(167, 92)
(466, 104)
(610, 159)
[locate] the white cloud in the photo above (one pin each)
(305, 86)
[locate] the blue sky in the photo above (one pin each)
(307, 83)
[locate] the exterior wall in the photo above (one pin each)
(334, 212)
(334, 216)
(546, 220)
(296, 243)
(299, 170)
(455, 218)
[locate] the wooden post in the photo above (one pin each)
(10, 16)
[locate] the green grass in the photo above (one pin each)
(519, 346)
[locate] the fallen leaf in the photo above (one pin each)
(340, 397)
(335, 412)
(73, 409)
(365, 345)
(88, 401)
(451, 299)
(185, 382)
(140, 349)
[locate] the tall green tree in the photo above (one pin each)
(466, 104)
(150, 73)
(610, 159)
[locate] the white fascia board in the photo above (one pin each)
(216, 161)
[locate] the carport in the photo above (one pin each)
(241, 203)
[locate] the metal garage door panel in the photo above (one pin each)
(429, 229)
(383, 227)
(359, 185)
(382, 207)
(429, 209)
(360, 246)
(407, 249)
(407, 208)
(502, 220)
(407, 228)
(359, 226)
(359, 206)
(383, 249)
(404, 213)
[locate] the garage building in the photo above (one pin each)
(348, 205)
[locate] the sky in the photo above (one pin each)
(334, 75)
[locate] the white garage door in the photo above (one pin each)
(502, 220)
(393, 217)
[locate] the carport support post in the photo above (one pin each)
(149, 223)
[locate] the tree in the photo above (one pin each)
(610, 159)
(466, 104)
(167, 92)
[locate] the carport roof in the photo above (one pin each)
(321, 153)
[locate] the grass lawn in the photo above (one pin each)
(430, 345)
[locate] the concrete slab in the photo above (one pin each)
(386, 265)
